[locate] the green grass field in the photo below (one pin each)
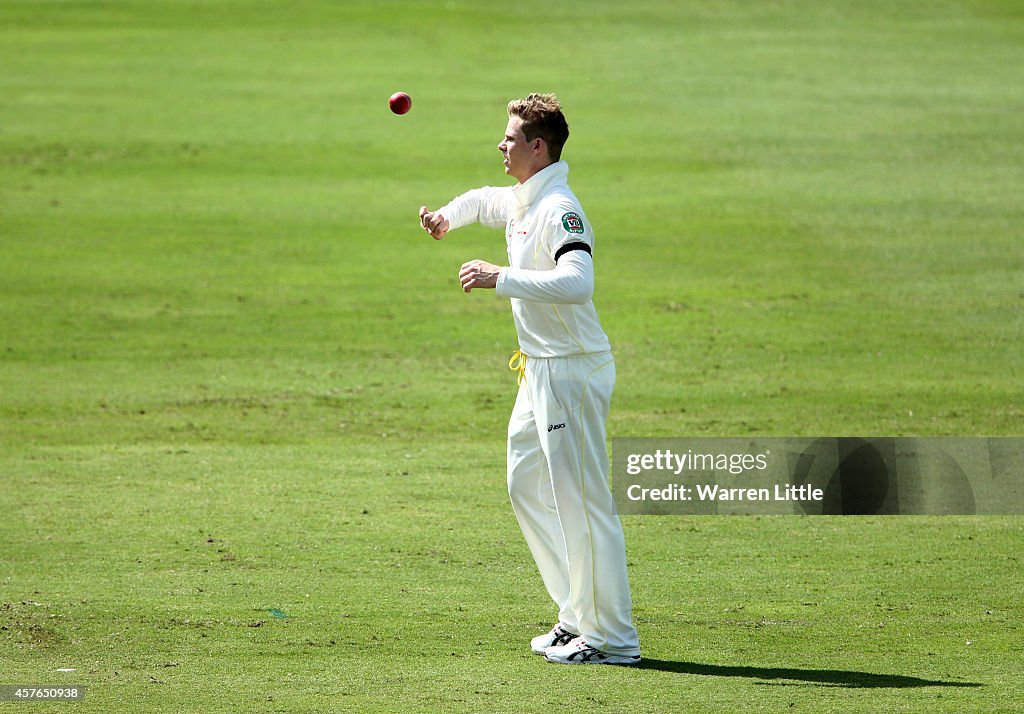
(252, 432)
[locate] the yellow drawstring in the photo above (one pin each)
(518, 365)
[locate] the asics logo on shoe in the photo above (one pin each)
(579, 651)
(557, 637)
(563, 639)
(587, 654)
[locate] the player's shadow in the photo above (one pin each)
(790, 677)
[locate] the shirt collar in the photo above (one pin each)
(535, 186)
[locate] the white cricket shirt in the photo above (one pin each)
(553, 311)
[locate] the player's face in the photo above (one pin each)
(518, 152)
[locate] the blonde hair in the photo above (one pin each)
(542, 117)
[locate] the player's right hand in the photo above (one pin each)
(433, 223)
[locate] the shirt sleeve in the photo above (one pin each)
(571, 281)
(567, 230)
(489, 206)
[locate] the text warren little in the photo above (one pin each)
(714, 492)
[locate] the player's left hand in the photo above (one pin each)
(478, 274)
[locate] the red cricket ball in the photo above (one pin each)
(400, 102)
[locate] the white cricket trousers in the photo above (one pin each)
(558, 484)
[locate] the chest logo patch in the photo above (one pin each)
(572, 223)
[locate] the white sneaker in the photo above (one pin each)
(579, 652)
(556, 637)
